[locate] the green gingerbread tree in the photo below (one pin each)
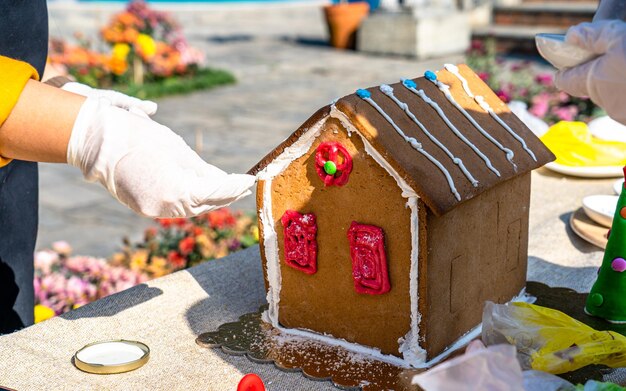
(607, 298)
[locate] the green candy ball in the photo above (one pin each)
(330, 168)
(596, 299)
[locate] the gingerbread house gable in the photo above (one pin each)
(415, 165)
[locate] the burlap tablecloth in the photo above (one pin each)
(168, 313)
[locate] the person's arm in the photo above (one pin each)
(40, 124)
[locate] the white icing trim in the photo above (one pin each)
(350, 346)
(388, 90)
(485, 106)
(270, 242)
(417, 146)
(410, 347)
(275, 167)
(446, 91)
(454, 129)
(453, 69)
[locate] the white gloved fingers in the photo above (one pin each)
(210, 190)
(597, 37)
(575, 81)
(127, 102)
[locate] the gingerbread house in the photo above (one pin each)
(390, 216)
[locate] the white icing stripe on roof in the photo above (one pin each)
(388, 90)
(446, 92)
(445, 118)
(416, 145)
(485, 106)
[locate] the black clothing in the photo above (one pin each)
(23, 36)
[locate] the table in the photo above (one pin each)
(168, 313)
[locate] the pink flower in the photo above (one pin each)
(566, 113)
(504, 96)
(540, 105)
(545, 79)
(484, 76)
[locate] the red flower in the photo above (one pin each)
(165, 223)
(195, 230)
(187, 245)
(181, 222)
(221, 218)
(484, 76)
(177, 260)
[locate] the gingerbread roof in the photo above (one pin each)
(448, 147)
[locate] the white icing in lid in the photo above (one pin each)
(485, 106)
(446, 91)
(388, 90)
(454, 129)
(417, 146)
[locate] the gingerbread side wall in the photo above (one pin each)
(326, 302)
(476, 252)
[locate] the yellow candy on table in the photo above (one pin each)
(574, 146)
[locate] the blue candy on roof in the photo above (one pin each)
(430, 75)
(363, 93)
(408, 83)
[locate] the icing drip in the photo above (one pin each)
(446, 91)
(388, 90)
(481, 102)
(485, 106)
(365, 95)
(410, 85)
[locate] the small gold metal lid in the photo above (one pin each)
(112, 356)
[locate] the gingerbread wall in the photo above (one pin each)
(326, 301)
(476, 252)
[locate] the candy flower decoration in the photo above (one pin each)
(607, 298)
(333, 163)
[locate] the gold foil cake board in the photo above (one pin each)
(346, 370)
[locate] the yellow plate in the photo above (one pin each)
(114, 356)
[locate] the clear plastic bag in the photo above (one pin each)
(549, 340)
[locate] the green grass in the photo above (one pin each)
(203, 79)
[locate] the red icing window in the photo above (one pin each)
(333, 163)
(369, 262)
(300, 243)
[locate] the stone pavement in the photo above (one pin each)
(285, 73)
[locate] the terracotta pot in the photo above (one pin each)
(343, 21)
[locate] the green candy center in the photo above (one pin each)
(330, 168)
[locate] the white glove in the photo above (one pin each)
(146, 166)
(117, 98)
(603, 79)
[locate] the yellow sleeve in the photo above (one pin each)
(13, 77)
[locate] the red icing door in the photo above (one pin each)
(300, 232)
(369, 262)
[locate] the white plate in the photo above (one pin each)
(618, 186)
(587, 172)
(600, 208)
(553, 48)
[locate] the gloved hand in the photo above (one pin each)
(117, 98)
(146, 166)
(603, 79)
